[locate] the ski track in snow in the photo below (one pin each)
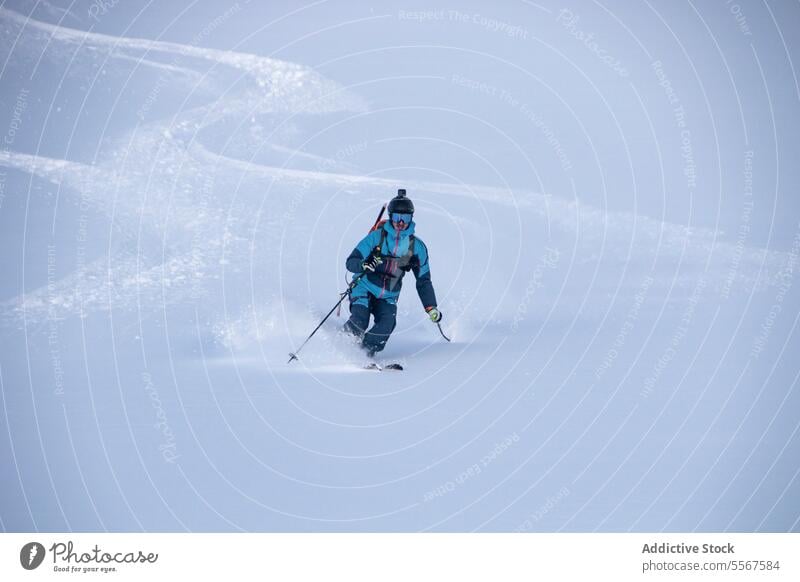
(170, 158)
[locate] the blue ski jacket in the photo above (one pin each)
(400, 252)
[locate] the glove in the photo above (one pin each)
(371, 263)
(434, 314)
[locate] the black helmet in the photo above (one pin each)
(401, 204)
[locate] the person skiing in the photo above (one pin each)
(385, 255)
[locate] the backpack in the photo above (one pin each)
(406, 266)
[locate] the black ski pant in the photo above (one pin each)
(385, 315)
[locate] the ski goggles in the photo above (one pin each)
(397, 217)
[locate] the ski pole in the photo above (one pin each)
(353, 283)
(374, 226)
(377, 220)
(439, 325)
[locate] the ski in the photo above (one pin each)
(378, 368)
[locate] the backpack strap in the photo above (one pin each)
(379, 248)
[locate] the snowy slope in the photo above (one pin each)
(144, 376)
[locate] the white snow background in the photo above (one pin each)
(609, 197)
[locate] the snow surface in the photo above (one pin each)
(611, 368)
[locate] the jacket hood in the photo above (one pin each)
(398, 243)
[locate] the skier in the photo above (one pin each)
(386, 255)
